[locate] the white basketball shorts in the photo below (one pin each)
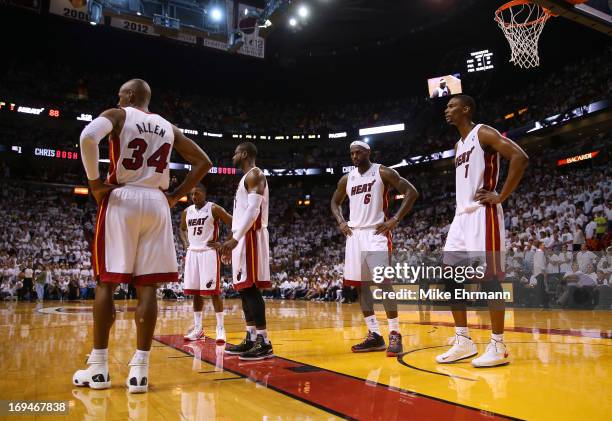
(251, 260)
(133, 238)
(202, 273)
(478, 235)
(364, 251)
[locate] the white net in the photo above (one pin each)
(522, 23)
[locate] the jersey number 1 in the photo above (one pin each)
(159, 159)
(466, 170)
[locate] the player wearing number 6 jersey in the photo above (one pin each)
(368, 237)
(133, 239)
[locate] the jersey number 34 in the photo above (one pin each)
(158, 160)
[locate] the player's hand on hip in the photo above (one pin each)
(100, 189)
(386, 226)
(485, 197)
(228, 246)
(214, 245)
(346, 230)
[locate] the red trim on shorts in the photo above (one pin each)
(116, 278)
(154, 278)
(385, 210)
(201, 292)
(114, 151)
(251, 256)
(218, 270)
(350, 283)
(98, 246)
(493, 240)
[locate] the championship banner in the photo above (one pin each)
(71, 9)
(254, 45)
(187, 38)
(132, 26)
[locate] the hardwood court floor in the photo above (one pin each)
(561, 369)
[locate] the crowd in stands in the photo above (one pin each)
(76, 91)
(553, 221)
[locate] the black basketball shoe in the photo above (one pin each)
(260, 351)
(372, 342)
(395, 344)
(243, 346)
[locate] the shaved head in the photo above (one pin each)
(139, 92)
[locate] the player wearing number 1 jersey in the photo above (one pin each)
(133, 240)
(368, 237)
(477, 231)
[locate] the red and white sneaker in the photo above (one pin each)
(495, 354)
(220, 335)
(195, 334)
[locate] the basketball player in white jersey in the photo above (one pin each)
(249, 247)
(368, 237)
(199, 226)
(477, 230)
(133, 238)
(441, 90)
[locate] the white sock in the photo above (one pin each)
(197, 319)
(99, 356)
(264, 333)
(219, 317)
(497, 337)
(372, 324)
(394, 325)
(100, 353)
(463, 331)
(142, 356)
(252, 332)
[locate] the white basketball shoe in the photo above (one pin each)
(138, 379)
(195, 334)
(463, 347)
(95, 375)
(495, 354)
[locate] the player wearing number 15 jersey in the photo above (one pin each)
(368, 237)
(133, 239)
(199, 227)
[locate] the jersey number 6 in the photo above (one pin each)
(367, 198)
(159, 159)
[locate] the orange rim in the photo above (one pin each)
(547, 14)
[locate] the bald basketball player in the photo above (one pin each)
(477, 231)
(250, 253)
(133, 240)
(368, 237)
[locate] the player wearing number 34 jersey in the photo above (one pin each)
(133, 240)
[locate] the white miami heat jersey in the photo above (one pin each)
(241, 204)
(140, 155)
(474, 169)
(368, 198)
(201, 227)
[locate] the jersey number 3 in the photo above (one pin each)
(158, 160)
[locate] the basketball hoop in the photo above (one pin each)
(522, 23)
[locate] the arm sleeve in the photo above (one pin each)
(91, 136)
(251, 214)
